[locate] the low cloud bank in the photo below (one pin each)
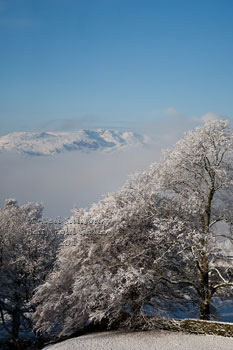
(62, 181)
(71, 179)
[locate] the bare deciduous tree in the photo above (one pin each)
(197, 179)
(112, 262)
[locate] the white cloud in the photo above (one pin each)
(170, 111)
(62, 181)
(211, 116)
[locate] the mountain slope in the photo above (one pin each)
(49, 143)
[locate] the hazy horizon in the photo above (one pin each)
(65, 180)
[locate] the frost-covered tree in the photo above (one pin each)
(27, 252)
(112, 263)
(197, 178)
(156, 239)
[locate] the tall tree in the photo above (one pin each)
(111, 263)
(197, 178)
(28, 248)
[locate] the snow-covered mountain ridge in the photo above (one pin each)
(49, 143)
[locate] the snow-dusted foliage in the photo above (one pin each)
(112, 261)
(27, 253)
(197, 177)
(156, 238)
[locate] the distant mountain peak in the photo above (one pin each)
(49, 143)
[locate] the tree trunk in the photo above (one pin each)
(205, 310)
(205, 289)
(15, 323)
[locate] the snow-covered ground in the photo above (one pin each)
(152, 340)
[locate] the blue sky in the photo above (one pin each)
(68, 64)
